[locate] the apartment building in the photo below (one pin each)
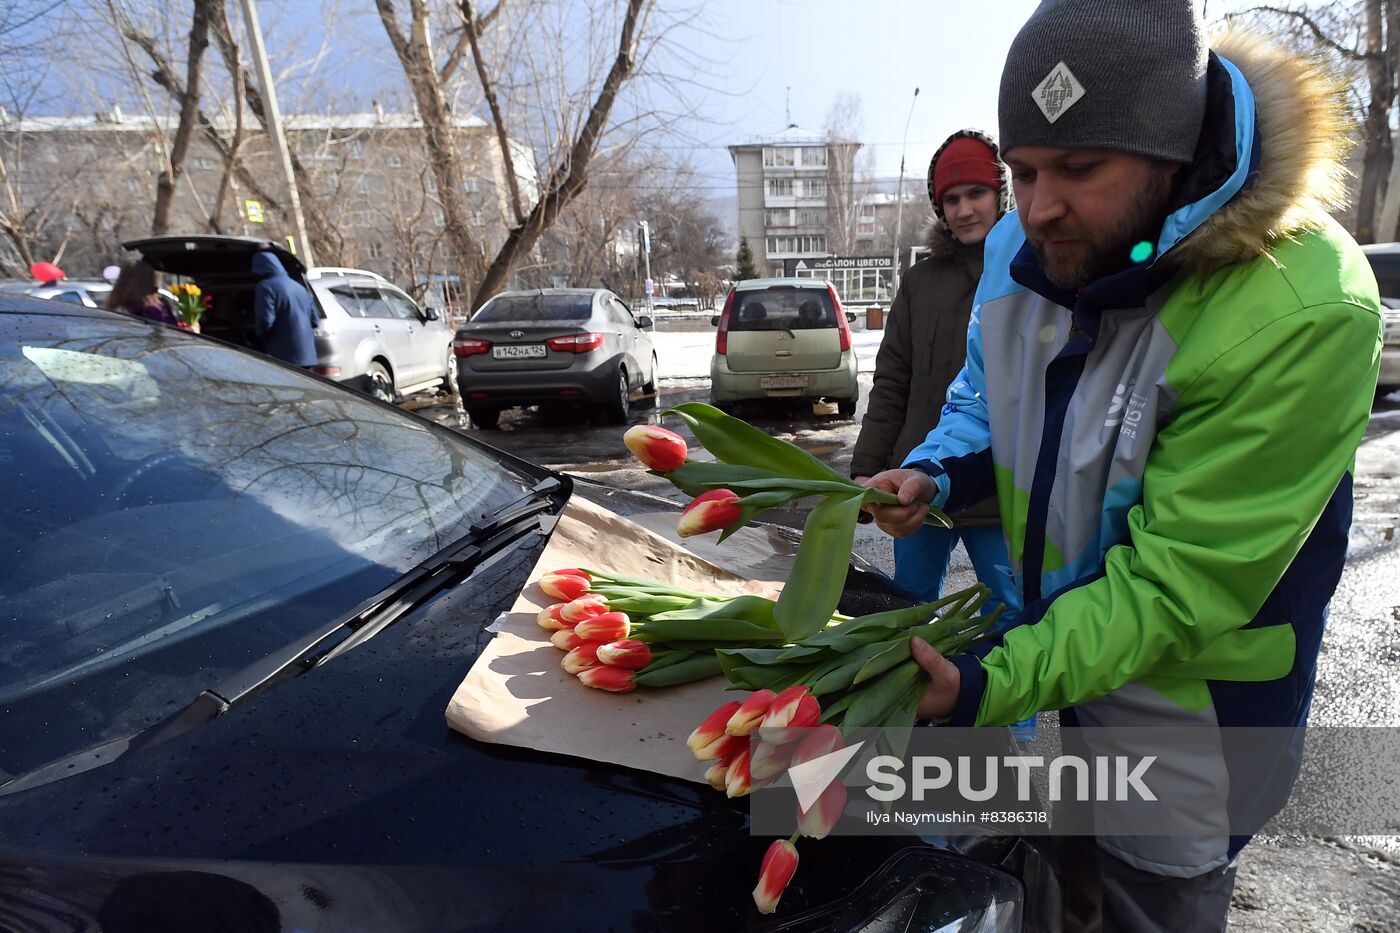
(82, 184)
(787, 186)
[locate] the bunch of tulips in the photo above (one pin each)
(855, 673)
(823, 674)
(750, 744)
(754, 472)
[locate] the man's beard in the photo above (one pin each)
(1105, 252)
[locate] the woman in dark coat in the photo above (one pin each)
(137, 292)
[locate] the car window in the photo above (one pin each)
(623, 315)
(346, 297)
(72, 298)
(783, 308)
(537, 307)
(614, 314)
(1387, 270)
(173, 510)
(402, 305)
(372, 302)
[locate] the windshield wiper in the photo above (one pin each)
(532, 513)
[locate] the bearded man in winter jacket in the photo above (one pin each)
(1171, 361)
(922, 351)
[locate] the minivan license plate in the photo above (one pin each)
(782, 382)
(521, 351)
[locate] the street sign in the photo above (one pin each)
(646, 239)
(648, 287)
(253, 211)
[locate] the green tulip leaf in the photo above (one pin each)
(819, 571)
(739, 443)
(698, 667)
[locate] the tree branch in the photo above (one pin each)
(467, 36)
(1311, 25)
(489, 91)
(569, 178)
(184, 130)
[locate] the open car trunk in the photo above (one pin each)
(222, 267)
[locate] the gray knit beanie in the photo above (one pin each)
(1127, 75)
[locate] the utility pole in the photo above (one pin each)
(899, 208)
(650, 286)
(274, 122)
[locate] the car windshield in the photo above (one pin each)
(536, 308)
(172, 510)
(783, 308)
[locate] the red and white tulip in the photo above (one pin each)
(717, 775)
(585, 607)
(629, 653)
(550, 619)
(748, 716)
(768, 761)
(821, 819)
(710, 511)
(816, 742)
(779, 865)
(581, 658)
(611, 679)
(794, 710)
(565, 586)
(711, 729)
(566, 639)
(658, 449)
(739, 781)
(610, 626)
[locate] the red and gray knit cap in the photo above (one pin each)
(967, 157)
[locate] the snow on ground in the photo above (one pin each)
(686, 354)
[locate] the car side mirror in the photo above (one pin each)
(850, 317)
(714, 321)
(431, 314)
(644, 322)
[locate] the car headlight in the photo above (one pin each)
(929, 892)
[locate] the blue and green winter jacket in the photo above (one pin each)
(1172, 447)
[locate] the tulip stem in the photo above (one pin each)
(792, 840)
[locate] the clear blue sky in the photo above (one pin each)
(952, 50)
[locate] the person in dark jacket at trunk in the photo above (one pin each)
(923, 350)
(283, 313)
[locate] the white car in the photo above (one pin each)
(370, 335)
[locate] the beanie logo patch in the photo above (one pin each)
(1059, 91)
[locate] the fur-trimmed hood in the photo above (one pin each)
(1299, 114)
(937, 237)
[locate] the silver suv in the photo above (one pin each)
(371, 335)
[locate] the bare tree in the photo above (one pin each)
(848, 173)
(426, 78)
(569, 175)
(1361, 40)
(174, 165)
(32, 199)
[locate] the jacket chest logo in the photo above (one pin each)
(1126, 410)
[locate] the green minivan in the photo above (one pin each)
(783, 338)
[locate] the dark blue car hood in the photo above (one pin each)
(341, 800)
